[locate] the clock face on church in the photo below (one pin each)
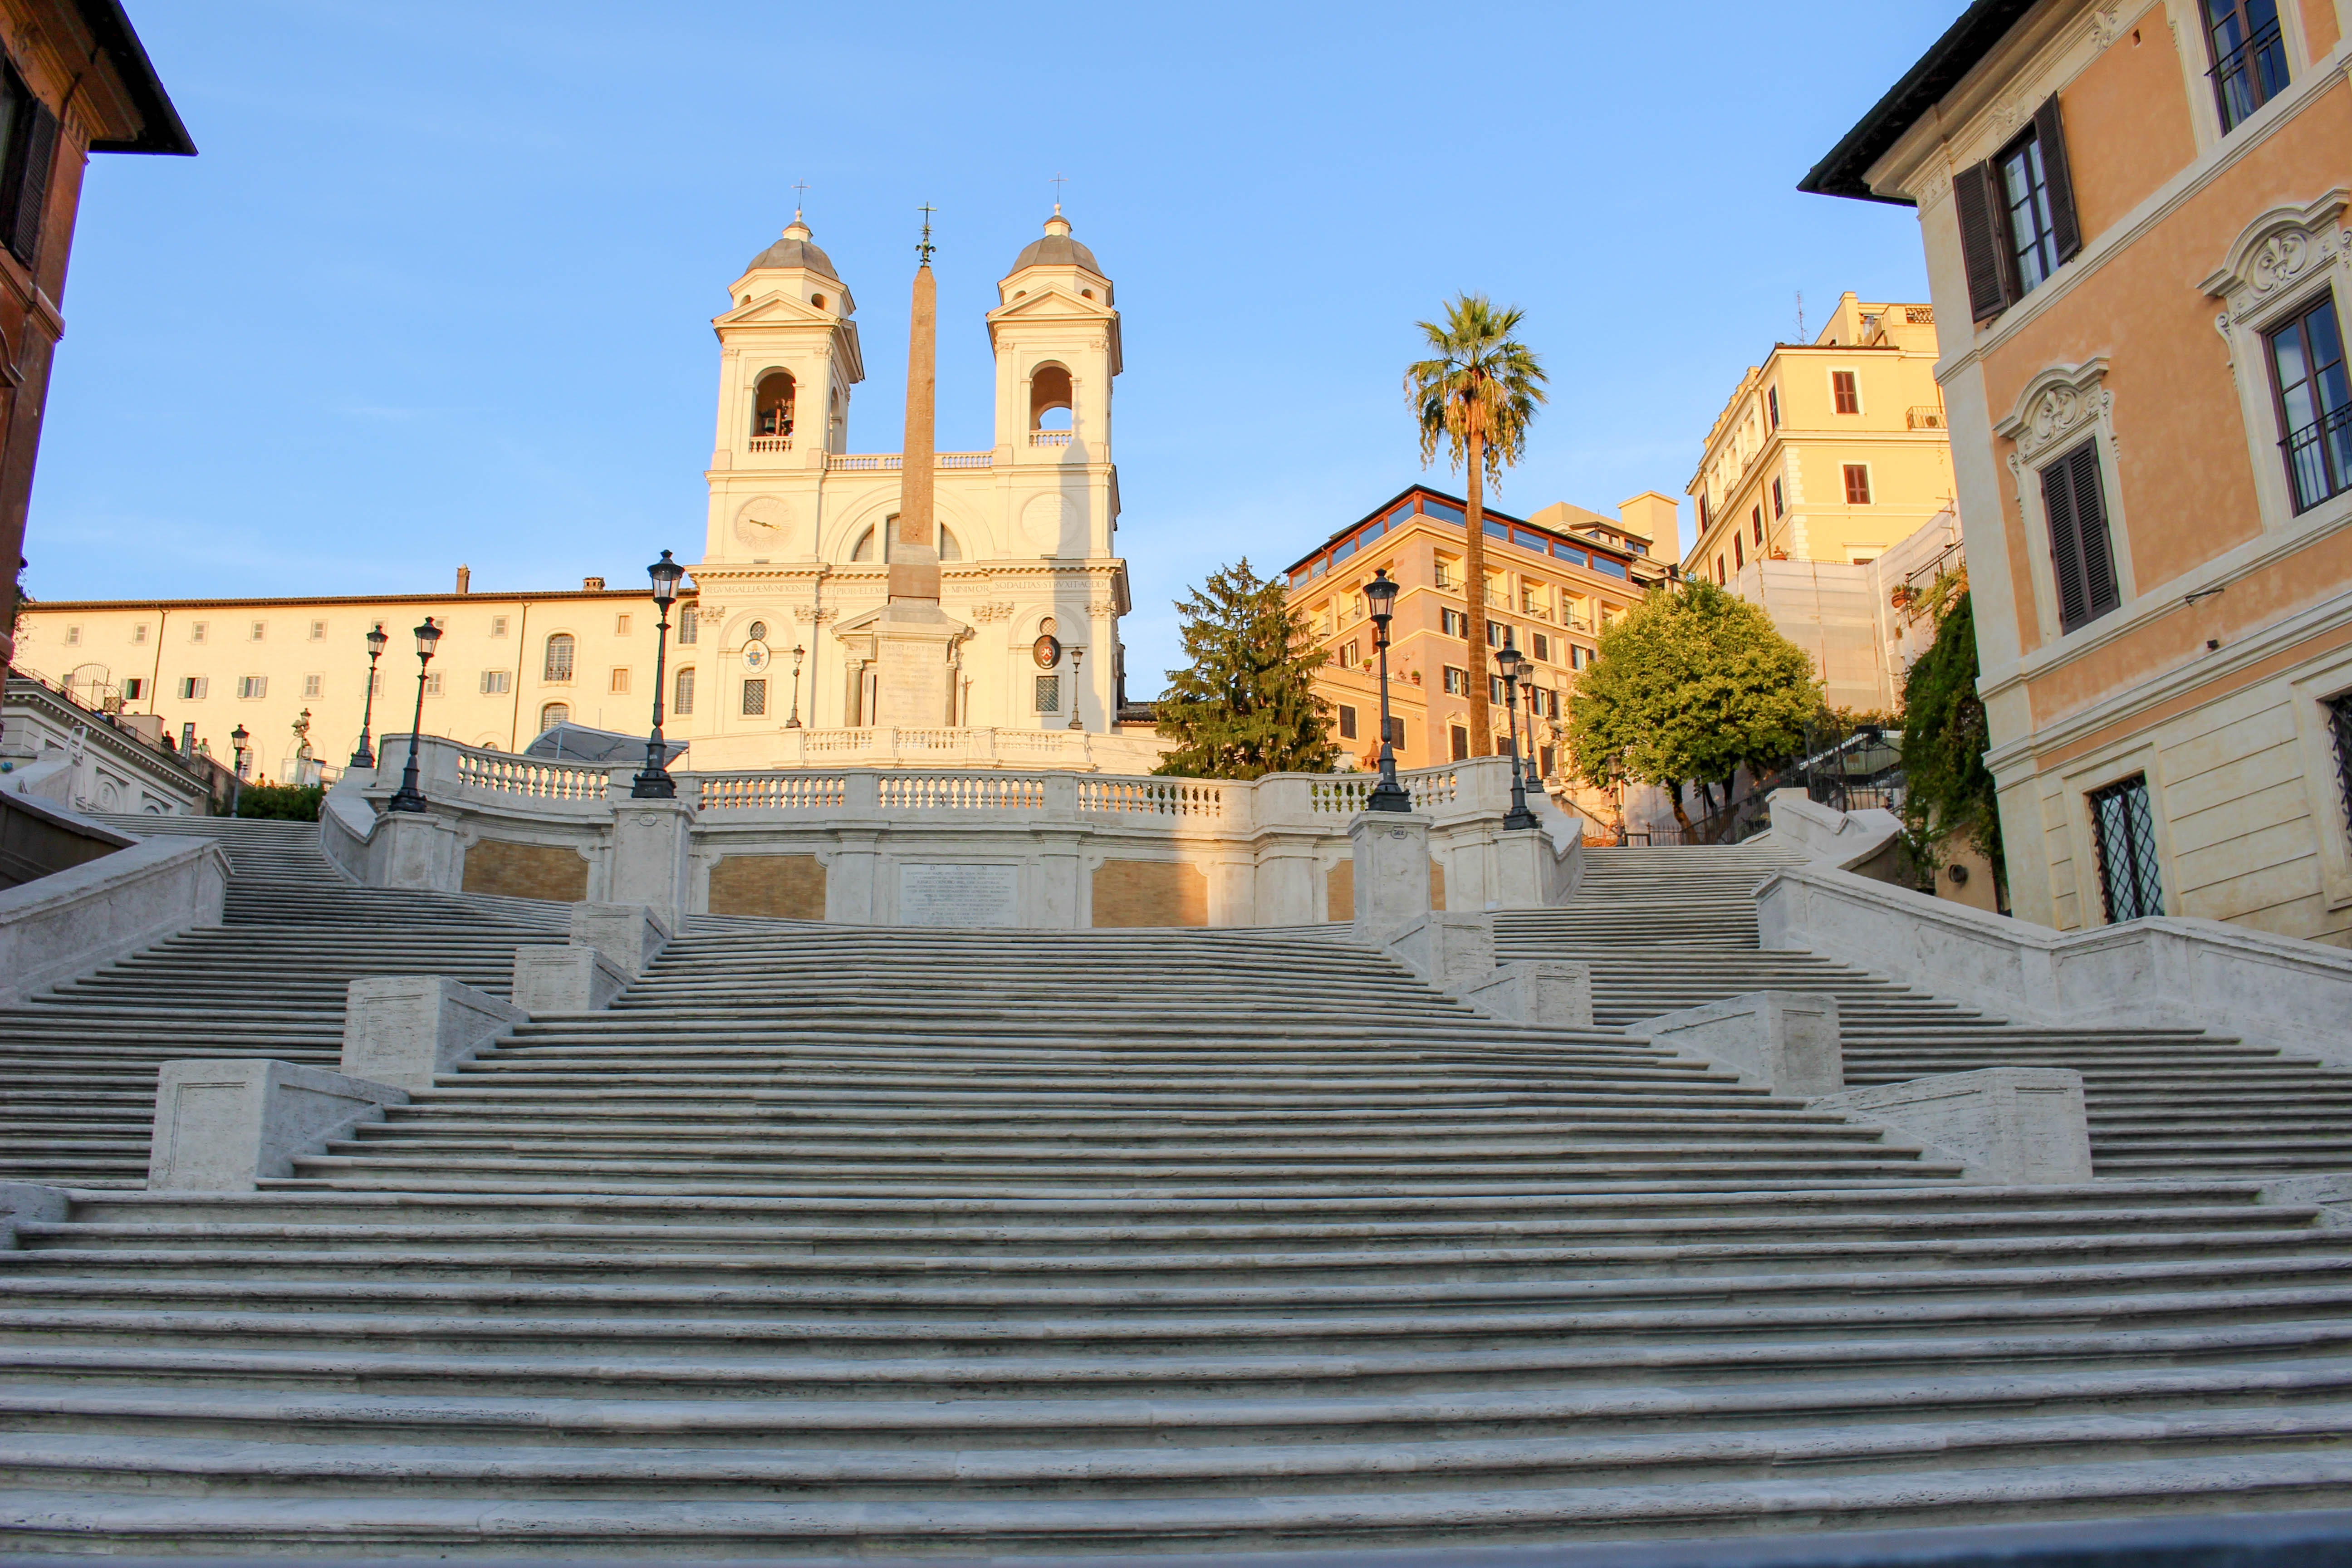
(755, 657)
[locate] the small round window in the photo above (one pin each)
(759, 631)
(818, 300)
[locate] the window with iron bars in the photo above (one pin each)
(2123, 833)
(2340, 730)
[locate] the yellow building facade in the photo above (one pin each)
(1553, 580)
(507, 667)
(1832, 450)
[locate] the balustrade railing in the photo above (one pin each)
(880, 462)
(1151, 797)
(960, 792)
(784, 791)
(498, 774)
(1050, 437)
(771, 444)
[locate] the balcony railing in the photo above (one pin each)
(2319, 457)
(1924, 417)
(2249, 76)
(877, 462)
(771, 444)
(1050, 437)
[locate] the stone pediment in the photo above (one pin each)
(778, 308)
(1052, 299)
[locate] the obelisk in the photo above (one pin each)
(912, 637)
(915, 558)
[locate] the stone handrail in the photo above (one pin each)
(1868, 842)
(762, 791)
(2161, 971)
(72, 922)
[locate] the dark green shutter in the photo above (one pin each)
(1975, 201)
(2064, 227)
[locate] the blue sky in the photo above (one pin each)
(438, 287)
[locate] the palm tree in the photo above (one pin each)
(1477, 395)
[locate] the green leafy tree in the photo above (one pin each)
(1246, 706)
(1948, 790)
(1477, 393)
(1690, 686)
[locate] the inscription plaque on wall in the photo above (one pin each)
(945, 894)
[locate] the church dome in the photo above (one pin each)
(1057, 249)
(794, 250)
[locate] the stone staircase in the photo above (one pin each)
(828, 1241)
(1672, 927)
(77, 1065)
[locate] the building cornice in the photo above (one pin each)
(35, 606)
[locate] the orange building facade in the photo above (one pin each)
(74, 80)
(2138, 244)
(1553, 580)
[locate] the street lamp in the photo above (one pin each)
(365, 756)
(1508, 660)
(1388, 795)
(237, 739)
(1077, 693)
(655, 782)
(794, 721)
(408, 797)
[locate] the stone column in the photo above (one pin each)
(652, 863)
(1391, 874)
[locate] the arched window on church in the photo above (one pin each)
(771, 406)
(552, 715)
(558, 668)
(1049, 397)
(951, 547)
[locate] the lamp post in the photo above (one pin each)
(1508, 660)
(1077, 693)
(1380, 594)
(237, 740)
(408, 797)
(365, 756)
(794, 721)
(655, 782)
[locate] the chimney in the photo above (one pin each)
(592, 585)
(465, 578)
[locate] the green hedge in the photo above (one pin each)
(281, 803)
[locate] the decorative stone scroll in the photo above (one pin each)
(2056, 406)
(2278, 250)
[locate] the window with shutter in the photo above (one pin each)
(2058, 179)
(28, 140)
(1845, 390)
(1981, 247)
(2082, 559)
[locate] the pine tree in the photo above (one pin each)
(1689, 687)
(1246, 706)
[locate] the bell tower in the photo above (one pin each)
(1056, 334)
(788, 357)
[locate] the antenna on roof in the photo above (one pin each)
(1801, 315)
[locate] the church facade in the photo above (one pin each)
(803, 533)
(779, 650)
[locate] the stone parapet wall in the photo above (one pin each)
(990, 845)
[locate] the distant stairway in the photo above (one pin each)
(1671, 928)
(77, 1065)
